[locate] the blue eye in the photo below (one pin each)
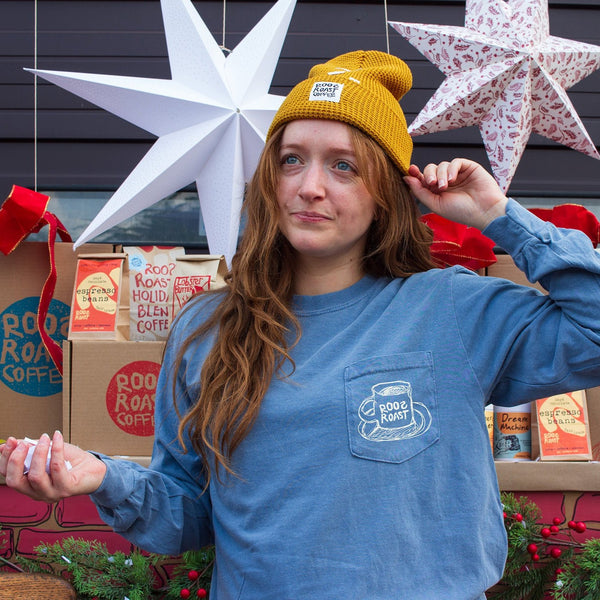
(342, 165)
(290, 160)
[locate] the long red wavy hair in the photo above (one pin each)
(253, 320)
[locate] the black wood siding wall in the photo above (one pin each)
(82, 147)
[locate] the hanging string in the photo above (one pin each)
(35, 94)
(223, 47)
(387, 29)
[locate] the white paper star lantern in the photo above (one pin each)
(507, 75)
(211, 119)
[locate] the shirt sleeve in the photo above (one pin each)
(523, 344)
(164, 508)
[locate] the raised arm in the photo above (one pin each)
(460, 190)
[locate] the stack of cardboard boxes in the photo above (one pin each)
(105, 399)
(30, 383)
(549, 475)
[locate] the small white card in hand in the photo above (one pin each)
(32, 445)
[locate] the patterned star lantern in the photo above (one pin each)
(506, 75)
(211, 119)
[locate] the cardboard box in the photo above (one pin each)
(548, 475)
(505, 267)
(30, 383)
(532, 476)
(108, 399)
(593, 407)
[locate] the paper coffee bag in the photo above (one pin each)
(196, 273)
(151, 269)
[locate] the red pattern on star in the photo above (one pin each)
(506, 75)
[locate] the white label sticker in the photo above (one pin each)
(328, 91)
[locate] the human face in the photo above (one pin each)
(325, 209)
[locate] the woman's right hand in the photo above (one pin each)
(85, 476)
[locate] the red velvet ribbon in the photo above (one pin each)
(456, 244)
(572, 216)
(22, 213)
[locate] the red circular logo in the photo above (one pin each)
(130, 397)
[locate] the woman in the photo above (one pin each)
(321, 420)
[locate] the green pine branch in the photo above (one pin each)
(93, 571)
(580, 578)
(562, 569)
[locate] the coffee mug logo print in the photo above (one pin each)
(390, 414)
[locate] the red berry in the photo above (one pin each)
(555, 552)
(201, 593)
(504, 514)
(535, 557)
(545, 532)
(558, 571)
(193, 575)
(554, 529)
(532, 548)
(518, 517)
(580, 527)
(571, 524)
(184, 593)
(557, 520)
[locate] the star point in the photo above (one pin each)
(211, 119)
(506, 75)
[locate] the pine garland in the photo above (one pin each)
(543, 561)
(581, 577)
(546, 560)
(93, 571)
(191, 579)
(96, 574)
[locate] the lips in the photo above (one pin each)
(311, 217)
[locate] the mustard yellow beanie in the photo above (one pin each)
(361, 88)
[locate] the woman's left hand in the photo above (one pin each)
(460, 190)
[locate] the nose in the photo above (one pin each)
(312, 185)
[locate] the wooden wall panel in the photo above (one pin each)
(82, 147)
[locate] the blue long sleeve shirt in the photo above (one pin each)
(368, 473)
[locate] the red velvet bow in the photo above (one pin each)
(456, 244)
(571, 216)
(22, 213)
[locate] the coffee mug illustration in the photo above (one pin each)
(390, 414)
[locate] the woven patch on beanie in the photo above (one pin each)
(328, 91)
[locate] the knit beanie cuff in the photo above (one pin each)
(361, 88)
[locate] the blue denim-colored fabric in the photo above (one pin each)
(368, 472)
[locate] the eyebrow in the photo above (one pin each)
(335, 150)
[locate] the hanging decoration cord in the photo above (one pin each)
(387, 29)
(223, 47)
(35, 95)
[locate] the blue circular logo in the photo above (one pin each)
(25, 365)
(137, 263)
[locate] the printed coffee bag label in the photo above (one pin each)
(563, 426)
(489, 422)
(25, 365)
(196, 274)
(150, 272)
(96, 298)
(512, 433)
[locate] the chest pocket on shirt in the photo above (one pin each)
(391, 406)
